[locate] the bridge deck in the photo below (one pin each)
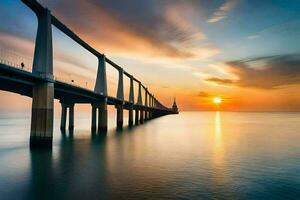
(21, 82)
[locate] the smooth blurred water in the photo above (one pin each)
(194, 155)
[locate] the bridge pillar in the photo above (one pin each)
(146, 105)
(136, 118)
(131, 100)
(145, 115)
(43, 93)
(71, 117)
(94, 117)
(63, 119)
(42, 116)
(119, 116)
(130, 116)
(141, 116)
(101, 82)
(102, 117)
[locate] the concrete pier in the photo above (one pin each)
(131, 100)
(63, 119)
(102, 117)
(147, 115)
(65, 107)
(42, 116)
(94, 118)
(130, 117)
(141, 116)
(120, 96)
(43, 93)
(119, 116)
(101, 82)
(136, 118)
(71, 117)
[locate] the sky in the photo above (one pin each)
(245, 51)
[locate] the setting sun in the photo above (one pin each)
(217, 100)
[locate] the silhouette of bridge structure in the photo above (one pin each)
(41, 85)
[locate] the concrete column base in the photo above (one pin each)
(119, 116)
(130, 117)
(102, 117)
(42, 115)
(150, 114)
(71, 117)
(40, 142)
(63, 117)
(141, 116)
(94, 118)
(136, 117)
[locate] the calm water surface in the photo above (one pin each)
(194, 155)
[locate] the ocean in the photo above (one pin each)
(193, 155)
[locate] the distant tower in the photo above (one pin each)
(174, 107)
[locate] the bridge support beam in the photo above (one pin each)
(102, 117)
(131, 100)
(119, 116)
(71, 117)
(43, 93)
(101, 120)
(63, 119)
(130, 117)
(136, 118)
(141, 116)
(94, 118)
(145, 115)
(42, 116)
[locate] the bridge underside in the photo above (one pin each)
(22, 82)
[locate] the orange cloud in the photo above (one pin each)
(275, 72)
(165, 35)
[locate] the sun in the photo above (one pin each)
(217, 100)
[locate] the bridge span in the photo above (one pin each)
(43, 88)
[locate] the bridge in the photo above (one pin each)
(41, 85)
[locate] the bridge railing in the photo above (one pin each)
(13, 59)
(18, 61)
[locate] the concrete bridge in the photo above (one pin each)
(43, 88)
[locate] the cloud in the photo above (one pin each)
(161, 29)
(203, 94)
(222, 12)
(220, 80)
(271, 72)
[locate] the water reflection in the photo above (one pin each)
(220, 175)
(41, 183)
(73, 169)
(218, 158)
